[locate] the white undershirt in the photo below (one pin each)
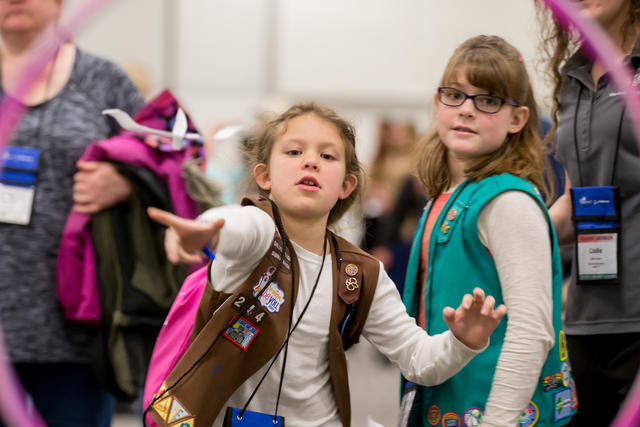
(515, 230)
(307, 397)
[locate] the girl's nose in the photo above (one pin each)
(467, 108)
(310, 162)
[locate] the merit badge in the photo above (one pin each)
(451, 215)
(177, 412)
(241, 333)
(273, 297)
(562, 404)
(445, 227)
(566, 373)
(450, 419)
(185, 423)
(162, 407)
(433, 416)
(551, 382)
(352, 284)
(472, 417)
(530, 416)
(351, 269)
(574, 394)
(562, 345)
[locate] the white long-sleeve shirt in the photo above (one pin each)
(514, 228)
(307, 398)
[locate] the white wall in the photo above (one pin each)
(225, 59)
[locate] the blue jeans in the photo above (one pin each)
(67, 394)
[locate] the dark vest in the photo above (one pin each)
(213, 368)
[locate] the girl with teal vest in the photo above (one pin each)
(486, 225)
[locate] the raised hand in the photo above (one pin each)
(475, 319)
(185, 238)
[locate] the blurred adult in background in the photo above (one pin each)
(385, 177)
(596, 145)
(63, 115)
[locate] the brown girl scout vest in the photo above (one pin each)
(234, 335)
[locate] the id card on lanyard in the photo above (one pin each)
(18, 167)
(596, 216)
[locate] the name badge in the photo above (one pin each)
(596, 216)
(18, 184)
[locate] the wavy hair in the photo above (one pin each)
(558, 45)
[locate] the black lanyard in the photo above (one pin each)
(575, 140)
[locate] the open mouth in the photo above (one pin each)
(309, 181)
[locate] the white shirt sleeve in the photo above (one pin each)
(424, 359)
(514, 229)
(245, 237)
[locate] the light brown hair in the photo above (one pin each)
(558, 45)
(496, 66)
(259, 147)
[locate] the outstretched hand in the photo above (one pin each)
(185, 238)
(475, 319)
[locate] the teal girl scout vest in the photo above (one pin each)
(458, 262)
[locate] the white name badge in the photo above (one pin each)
(597, 256)
(16, 203)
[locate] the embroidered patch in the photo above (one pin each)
(450, 419)
(273, 297)
(351, 269)
(529, 416)
(551, 382)
(566, 374)
(561, 404)
(177, 412)
(562, 346)
(185, 423)
(162, 407)
(241, 333)
(472, 417)
(433, 416)
(574, 394)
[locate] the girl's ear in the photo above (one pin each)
(348, 185)
(519, 118)
(261, 175)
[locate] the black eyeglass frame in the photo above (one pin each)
(473, 99)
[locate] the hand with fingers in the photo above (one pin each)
(475, 319)
(97, 186)
(185, 238)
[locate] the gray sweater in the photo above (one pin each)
(31, 319)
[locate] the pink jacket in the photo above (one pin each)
(77, 286)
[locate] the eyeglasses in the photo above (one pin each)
(486, 103)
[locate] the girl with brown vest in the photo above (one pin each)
(286, 296)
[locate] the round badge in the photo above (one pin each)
(433, 416)
(351, 269)
(452, 214)
(472, 417)
(530, 416)
(450, 419)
